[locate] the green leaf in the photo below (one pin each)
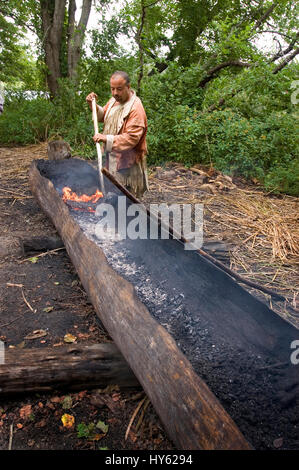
(67, 403)
(85, 430)
(102, 426)
(48, 309)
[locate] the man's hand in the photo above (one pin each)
(90, 97)
(100, 138)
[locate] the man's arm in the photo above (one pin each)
(127, 140)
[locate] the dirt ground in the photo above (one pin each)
(45, 293)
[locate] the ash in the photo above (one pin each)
(251, 386)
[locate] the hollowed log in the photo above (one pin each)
(178, 319)
(191, 414)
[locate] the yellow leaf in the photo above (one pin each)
(68, 338)
(68, 420)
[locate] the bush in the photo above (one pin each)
(256, 136)
(25, 122)
(284, 179)
(68, 117)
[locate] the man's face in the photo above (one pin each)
(119, 89)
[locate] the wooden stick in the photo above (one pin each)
(98, 147)
(27, 303)
(42, 254)
(133, 417)
(10, 437)
(23, 295)
(183, 240)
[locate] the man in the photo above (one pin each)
(124, 134)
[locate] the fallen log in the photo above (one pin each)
(192, 416)
(41, 243)
(216, 248)
(70, 367)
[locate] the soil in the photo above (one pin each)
(57, 303)
(34, 422)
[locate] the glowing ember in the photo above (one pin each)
(69, 195)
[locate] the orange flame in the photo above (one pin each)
(69, 195)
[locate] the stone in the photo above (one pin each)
(59, 150)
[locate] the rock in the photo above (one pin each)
(278, 442)
(208, 188)
(167, 175)
(59, 150)
(10, 246)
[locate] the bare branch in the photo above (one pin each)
(276, 32)
(229, 63)
(287, 50)
(286, 61)
(86, 7)
(76, 35)
(138, 39)
(265, 15)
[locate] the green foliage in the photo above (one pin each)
(85, 430)
(90, 431)
(25, 122)
(16, 64)
(284, 178)
(255, 137)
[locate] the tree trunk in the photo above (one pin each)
(76, 36)
(72, 367)
(53, 15)
(52, 27)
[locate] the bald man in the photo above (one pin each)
(124, 134)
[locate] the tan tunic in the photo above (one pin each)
(125, 126)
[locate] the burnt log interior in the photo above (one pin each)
(234, 342)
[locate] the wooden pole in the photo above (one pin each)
(98, 147)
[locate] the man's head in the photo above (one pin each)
(120, 86)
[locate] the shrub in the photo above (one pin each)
(24, 122)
